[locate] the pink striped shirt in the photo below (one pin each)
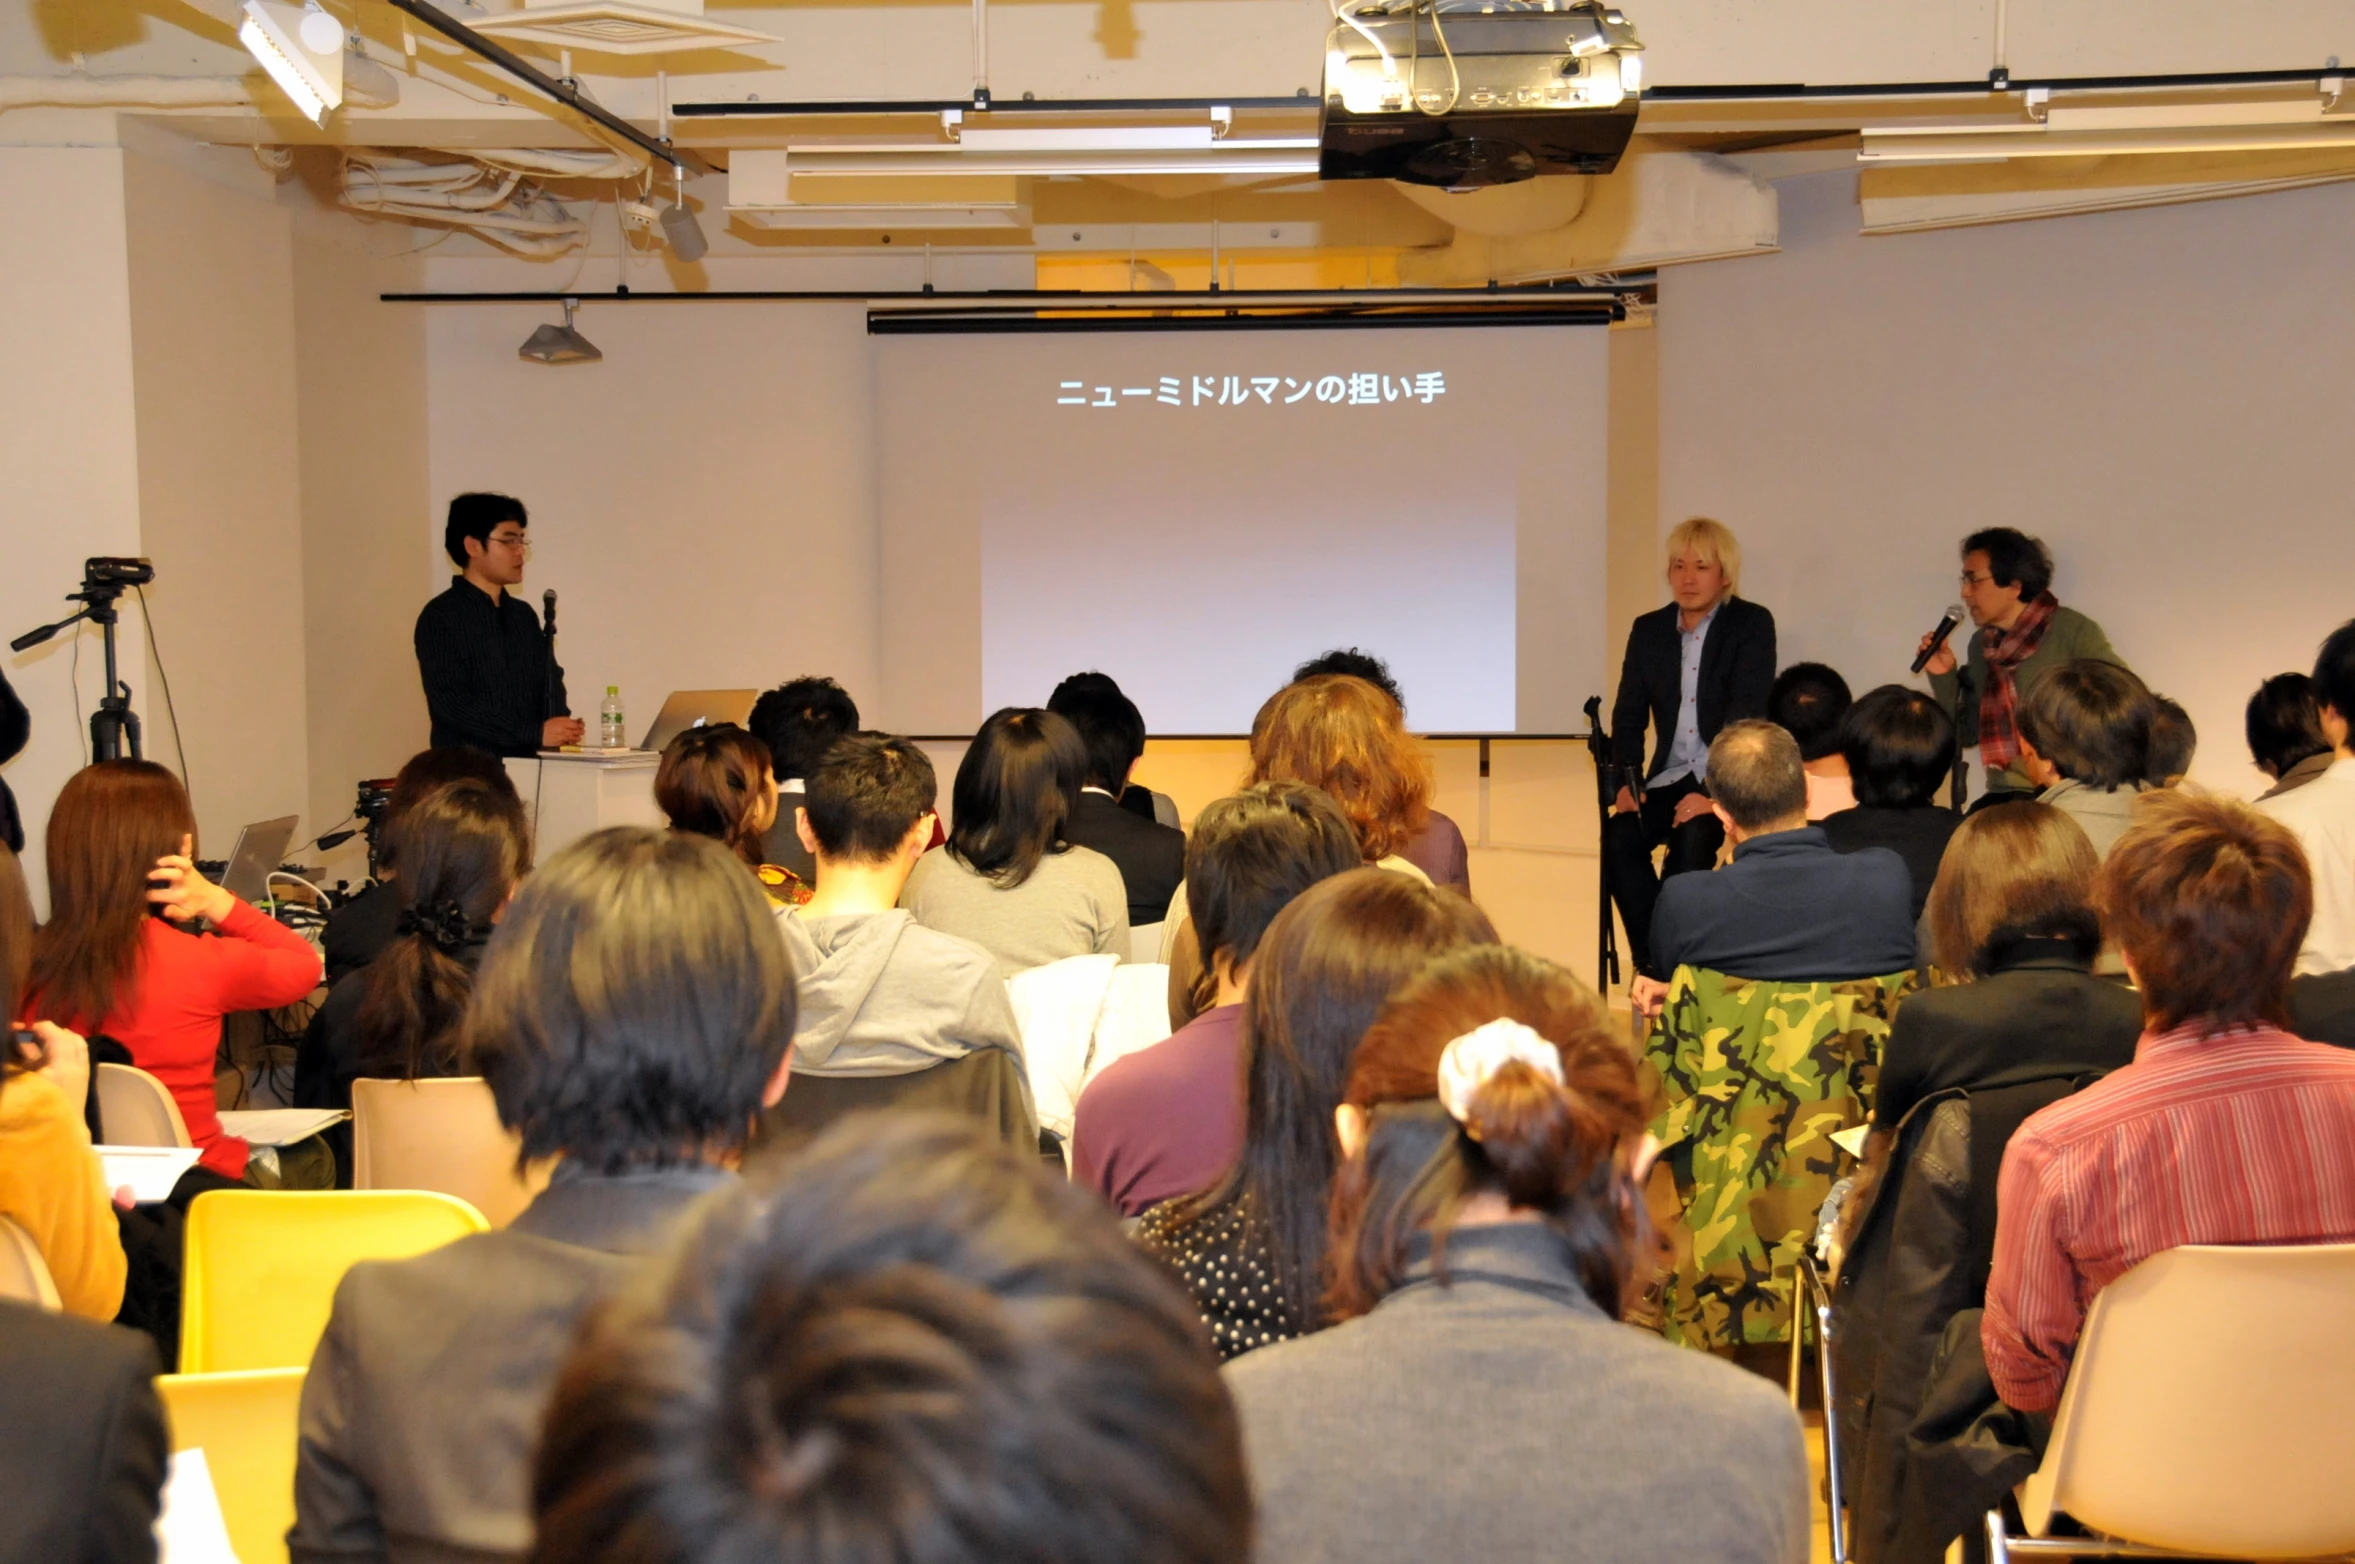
(2238, 1137)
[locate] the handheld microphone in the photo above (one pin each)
(1953, 617)
(548, 613)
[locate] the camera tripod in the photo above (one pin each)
(113, 726)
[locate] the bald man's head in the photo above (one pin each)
(1756, 777)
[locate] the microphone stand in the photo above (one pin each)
(1607, 770)
(547, 677)
(1964, 699)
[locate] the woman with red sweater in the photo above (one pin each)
(122, 953)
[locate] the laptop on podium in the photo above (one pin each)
(686, 709)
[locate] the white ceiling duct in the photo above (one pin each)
(121, 92)
(1529, 206)
(497, 204)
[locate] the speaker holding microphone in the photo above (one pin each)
(1946, 627)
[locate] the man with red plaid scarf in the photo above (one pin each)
(2023, 633)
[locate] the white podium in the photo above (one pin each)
(568, 796)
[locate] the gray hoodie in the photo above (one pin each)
(880, 994)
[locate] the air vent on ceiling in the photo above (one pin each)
(619, 27)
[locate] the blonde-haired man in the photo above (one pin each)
(1705, 659)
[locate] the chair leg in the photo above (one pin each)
(1998, 1539)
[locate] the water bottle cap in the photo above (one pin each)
(613, 689)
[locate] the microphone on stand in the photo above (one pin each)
(548, 651)
(1953, 617)
(548, 614)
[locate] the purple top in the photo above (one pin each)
(1438, 850)
(1167, 1120)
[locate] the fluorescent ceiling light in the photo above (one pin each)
(1288, 155)
(2120, 130)
(302, 49)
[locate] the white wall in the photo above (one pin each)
(360, 365)
(212, 334)
(703, 500)
(67, 443)
(2159, 394)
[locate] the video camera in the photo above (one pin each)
(111, 573)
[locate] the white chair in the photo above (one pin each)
(2209, 1411)
(1078, 1015)
(136, 1109)
(1144, 942)
(24, 1275)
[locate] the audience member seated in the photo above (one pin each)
(2085, 737)
(632, 1016)
(716, 781)
(1250, 1241)
(1438, 849)
(1150, 856)
(2013, 918)
(1168, 1119)
(2224, 1130)
(358, 930)
(1899, 746)
(1788, 908)
(465, 846)
(1136, 798)
(2286, 740)
(2321, 815)
(2173, 742)
(1346, 738)
(119, 845)
(879, 993)
(1009, 878)
(902, 1346)
(51, 1183)
(83, 1440)
(797, 720)
(1486, 1224)
(1809, 701)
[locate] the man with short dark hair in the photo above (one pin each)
(1899, 745)
(1788, 908)
(1168, 1120)
(2224, 1130)
(491, 678)
(1438, 849)
(2085, 733)
(797, 720)
(2321, 815)
(1150, 856)
(1808, 701)
(2023, 634)
(879, 993)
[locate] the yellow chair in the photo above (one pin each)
(2208, 1413)
(262, 1266)
(136, 1109)
(245, 1424)
(442, 1135)
(24, 1275)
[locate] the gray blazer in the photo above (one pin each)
(424, 1399)
(1502, 1417)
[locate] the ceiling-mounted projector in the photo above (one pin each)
(1463, 94)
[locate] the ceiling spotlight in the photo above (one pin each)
(679, 225)
(559, 344)
(301, 48)
(366, 83)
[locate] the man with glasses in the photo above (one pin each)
(2023, 633)
(491, 678)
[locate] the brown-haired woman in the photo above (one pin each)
(718, 781)
(1252, 1247)
(1344, 735)
(462, 847)
(116, 956)
(1481, 1398)
(2011, 916)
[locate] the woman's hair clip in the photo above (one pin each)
(443, 924)
(1472, 1060)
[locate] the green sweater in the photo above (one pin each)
(2071, 637)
